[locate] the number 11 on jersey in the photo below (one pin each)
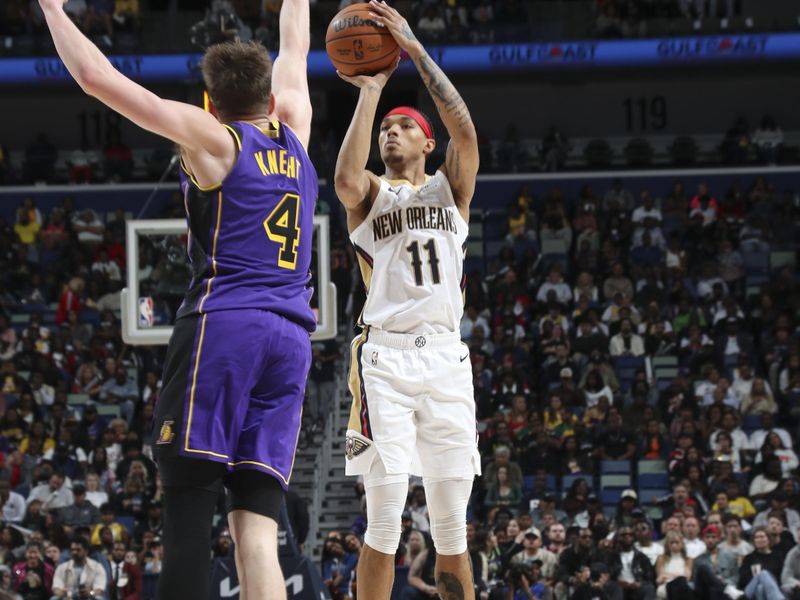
(416, 262)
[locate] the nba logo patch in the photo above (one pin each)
(167, 433)
(374, 358)
(354, 446)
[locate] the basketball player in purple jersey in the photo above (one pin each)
(236, 366)
(413, 402)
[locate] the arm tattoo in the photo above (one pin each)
(406, 31)
(449, 587)
(451, 106)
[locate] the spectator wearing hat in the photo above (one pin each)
(627, 504)
(533, 551)
(630, 568)
(716, 571)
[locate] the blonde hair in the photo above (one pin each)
(669, 538)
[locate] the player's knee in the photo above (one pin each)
(447, 506)
(384, 508)
(383, 537)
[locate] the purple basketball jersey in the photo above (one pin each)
(250, 242)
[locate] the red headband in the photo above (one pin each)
(412, 113)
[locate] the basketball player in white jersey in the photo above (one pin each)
(411, 379)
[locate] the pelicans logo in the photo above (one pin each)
(354, 446)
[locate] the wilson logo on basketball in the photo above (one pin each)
(350, 22)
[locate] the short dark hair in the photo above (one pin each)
(83, 542)
(238, 77)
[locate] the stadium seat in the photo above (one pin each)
(652, 466)
(628, 362)
(750, 423)
(653, 480)
(665, 361)
(493, 249)
(610, 496)
(639, 152)
(683, 150)
(615, 466)
(495, 224)
(654, 513)
(111, 411)
(646, 495)
(615, 480)
(127, 522)
(666, 372)
(551, 247)
(778, 260)
(598, 154)
(78, 399)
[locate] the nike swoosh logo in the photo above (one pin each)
(464, 358)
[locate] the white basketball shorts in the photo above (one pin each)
(413, 406)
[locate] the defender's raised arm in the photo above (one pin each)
(189, 126)
(289, 76)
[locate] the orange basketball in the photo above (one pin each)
(357, 45)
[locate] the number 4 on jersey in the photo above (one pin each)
(433, 260)
(281, 227)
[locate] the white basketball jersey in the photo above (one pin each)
(411, 252)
